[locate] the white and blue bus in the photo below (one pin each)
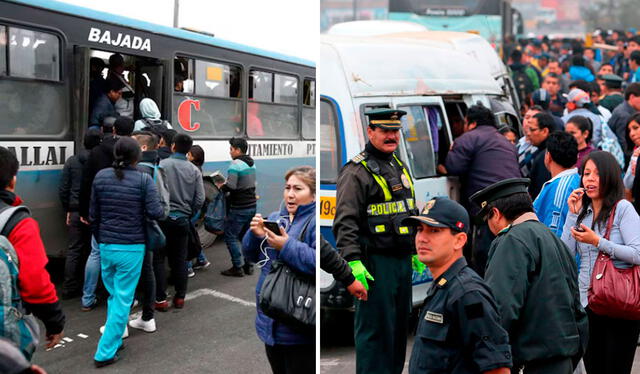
(227, 90)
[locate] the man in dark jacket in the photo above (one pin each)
(241, 186)
(622, 113)
(79, 234)
(37, 292)
(186, 193)
(100, 157)
(104, 105)
(474, 157)
(166, 140)
(541, 126)
(534, 280)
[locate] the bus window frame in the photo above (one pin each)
(340, 141)
(298, 103)
(66, 134)
(241, 99)
(62, 43)
(314, 106)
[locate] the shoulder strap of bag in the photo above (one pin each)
(10, 217)
(607, 232)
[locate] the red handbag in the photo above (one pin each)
(614, 292)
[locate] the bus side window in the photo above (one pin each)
(3, 50)
(330, 144)
(35, 57)
(272, 111)
(309, 109)
(183, 73)
(419, 135)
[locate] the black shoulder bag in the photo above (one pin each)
(154, 237)
(289, 296)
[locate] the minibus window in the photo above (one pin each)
(272, 111)
(34, 54)
(419, 131)
(260, 86)
(183, 75)
(329, 144)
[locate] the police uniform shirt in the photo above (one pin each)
(360, 202)
(459, 328)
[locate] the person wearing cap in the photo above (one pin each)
(533, 278)
(474, 156)
(622, 113)
(612, 92)
(459, 328)
(577, 101)
(374, 193)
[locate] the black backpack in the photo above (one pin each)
(524, 85)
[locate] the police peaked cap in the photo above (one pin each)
(442, 212)
(385, 118)
(499, 190)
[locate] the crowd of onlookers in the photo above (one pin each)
(580, 107)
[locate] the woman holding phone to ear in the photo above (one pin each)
(289, 351)
(612, 341)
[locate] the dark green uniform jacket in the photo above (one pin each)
(612, 101)
(366, 221)
(534, 280)
(459, 328)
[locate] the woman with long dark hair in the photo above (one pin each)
(612, 341)
(121, 198)
(289, 350)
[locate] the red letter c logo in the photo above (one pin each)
(184, 114)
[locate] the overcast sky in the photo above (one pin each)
(285, 26)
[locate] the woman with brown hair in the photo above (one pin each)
(289, 350)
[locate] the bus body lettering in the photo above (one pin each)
(184, 114)
(121, 40)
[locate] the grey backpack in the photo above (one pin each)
(16, 326)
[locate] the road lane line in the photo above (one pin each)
(207, 291)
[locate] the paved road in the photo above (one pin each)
(337, 354)
(214, 333)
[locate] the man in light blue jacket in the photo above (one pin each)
(551, 204)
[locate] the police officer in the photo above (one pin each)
(459, 327)
(374, 194)
(534, 280)
(614, 95)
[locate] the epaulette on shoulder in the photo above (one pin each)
(359, 157)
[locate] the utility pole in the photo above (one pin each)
(176, 12)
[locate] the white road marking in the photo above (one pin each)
(207, 291)
(67, 339)
(83, 336)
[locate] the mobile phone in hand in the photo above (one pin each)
(272, 226)
(579, 228)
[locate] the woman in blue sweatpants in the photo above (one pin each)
(121, 200)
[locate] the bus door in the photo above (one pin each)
(426, 137)
(80, 94)
(149, 82)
